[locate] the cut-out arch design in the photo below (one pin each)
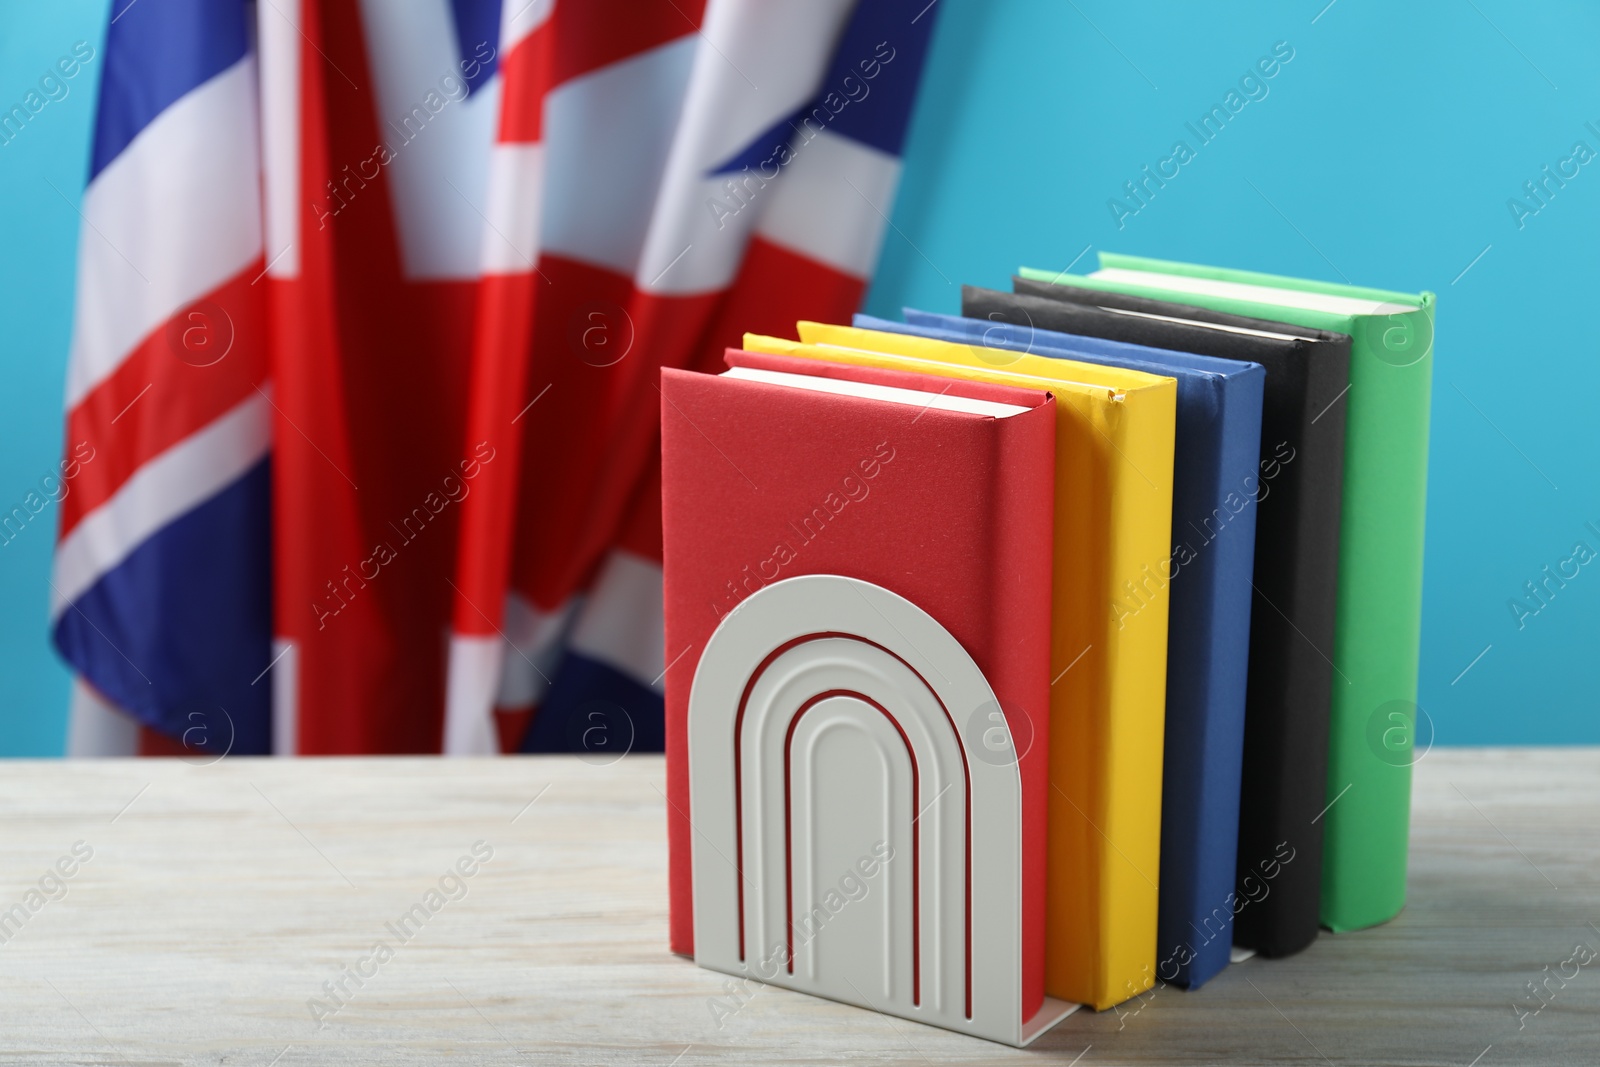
(846, 841)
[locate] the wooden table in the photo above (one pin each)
(220, 898)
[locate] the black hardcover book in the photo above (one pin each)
(1279, 873)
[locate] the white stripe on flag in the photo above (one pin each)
(701, 223)
(607, 135)
(620, 625)
(516, 193)
(174, 482)
(96, 728)
(170, 219)
(285, 680)
(535, 638)
(833, 202)
(510, 669)
(438, 138)
(519, 18)
(473, 678)
(278, 28)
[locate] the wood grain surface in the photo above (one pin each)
(216, 900)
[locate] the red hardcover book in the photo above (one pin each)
(857, 569)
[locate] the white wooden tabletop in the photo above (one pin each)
(207, 905)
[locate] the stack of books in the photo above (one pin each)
(1042, 653)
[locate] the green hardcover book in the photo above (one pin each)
(1379, 614)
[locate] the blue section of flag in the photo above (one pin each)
(598, 712)
(179, 632)
(867, 93)
(890, 37)
(157, 51)
(478, 37)
(763, 148)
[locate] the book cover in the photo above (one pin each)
(1379, 613)
(1215, 485)
(1114, 434)
(858, 723)
(1284, 785)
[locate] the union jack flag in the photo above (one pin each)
(434, 254)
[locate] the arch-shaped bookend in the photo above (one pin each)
(857, 810)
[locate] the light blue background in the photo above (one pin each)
(1388, 147)
(38, 245)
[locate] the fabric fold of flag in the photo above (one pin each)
(743, 180)
(362, 450)
(378, 116)
(162, 579)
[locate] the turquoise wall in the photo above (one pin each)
(1385, 151)
(42, 171)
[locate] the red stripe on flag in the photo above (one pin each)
(499, 403)
(369, 369)
(525, 74)
(641, 530)
(511, 725)
(188, 372)
(775, 289)
(578, 39)
(600, 345)
(593, 34)
(154, 743)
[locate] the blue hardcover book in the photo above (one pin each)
(1215, 484)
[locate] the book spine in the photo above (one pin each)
(680, 873)
(1022, 525)
(1213, 549)
(1127, 744)
(1284, 782)
(1380, 619)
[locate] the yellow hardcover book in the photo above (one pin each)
(1114, 433)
